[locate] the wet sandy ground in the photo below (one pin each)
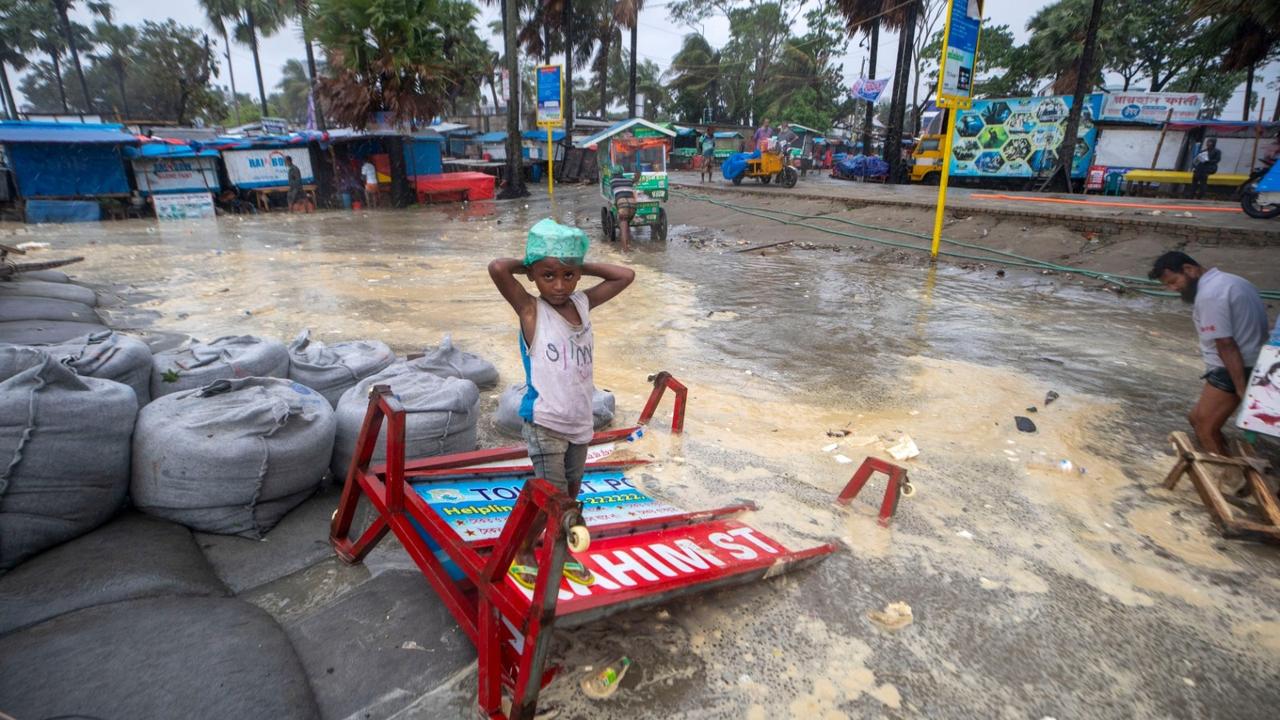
(1035, 593)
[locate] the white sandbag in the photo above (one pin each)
(332, 369)
(508, 420)
(449, 361)
(197, 364)
(441, 414)
(110, 356)
(44, 332)
(64, 452)
(21, 287)
(232, 457)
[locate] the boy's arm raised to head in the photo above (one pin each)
(503, 272)
(616, 279)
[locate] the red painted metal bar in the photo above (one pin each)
(469, 472)
(661, 382)
(897, 477)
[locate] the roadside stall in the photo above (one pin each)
(684, 147)
(64, 172)
(637, 149)
(256, 166)
(728, 142)
(174, 174)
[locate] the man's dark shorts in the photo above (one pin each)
(1221, 379)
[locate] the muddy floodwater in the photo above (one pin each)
(1034, 592)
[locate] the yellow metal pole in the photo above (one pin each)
(946, 177)
(551, 163)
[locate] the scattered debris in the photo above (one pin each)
(904, 449)
(1032, 409)
(1050, 396)
(843, 460)
(999, 273)
(837, 433)
(829, 448)
(31, 245)
(895, 616)
(411, 645)
(964, 534)
(1024, 424)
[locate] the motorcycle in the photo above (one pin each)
(1260, 194)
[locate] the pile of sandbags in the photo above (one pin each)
(508, 419)
(440, 414)
(449, 361)
(333, 369)
(197, 364)
(64, 452)
(40, 308)
(233, 457)
(24, 288)
(110, 356)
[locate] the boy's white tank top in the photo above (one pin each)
(558, 368)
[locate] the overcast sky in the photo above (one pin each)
(659, 40)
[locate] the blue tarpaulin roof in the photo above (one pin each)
(556, 135)
(164, 149)
(301, 137)
(19, 131)
(728, 134)
(492, 137)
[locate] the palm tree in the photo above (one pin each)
(1084, 73)
(868, 16)
(258, 17)
(218, 12)
(695, 79)
(63, 8)
(15, 42)
(627, 13)
(303, 10)
(515, 167)
(46, 37)
(1249, 32)
(116, 44)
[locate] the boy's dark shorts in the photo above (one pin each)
(555, 459)
(1221, 379)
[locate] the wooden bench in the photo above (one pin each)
(262, 195)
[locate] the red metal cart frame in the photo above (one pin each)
(490, 608)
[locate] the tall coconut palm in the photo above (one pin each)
(868, 16)
(63, 8)
(1247, 31)
(302, 9)
(115, 46)
(46, 36)
(628, 15)
(15, 42)
(218, 13)
(254, 18)
(515, 167)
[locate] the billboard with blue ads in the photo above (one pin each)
(1020, 137)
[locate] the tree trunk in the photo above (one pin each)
(57, 75)
(1248, 93)
(1067, 150)
(10, 105)
(631, 93)
(75, 54)
(605, 43)
(231, 73)
(515, 179)
(1275, 113)
(898, 106)
(303, 14)
(871, 73)
(257, 63)
(568, 68)
(124, 98)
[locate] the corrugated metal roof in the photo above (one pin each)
(16, 131)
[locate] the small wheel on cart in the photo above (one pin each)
(660, 227)
(606, 223)
(766, 179)
(737, 180)
(908, 489)
(579, 538)
(789, 177)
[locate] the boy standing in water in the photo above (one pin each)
(556, 347)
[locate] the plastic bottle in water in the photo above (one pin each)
(605, 683)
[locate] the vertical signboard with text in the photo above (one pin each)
(550, 91)
(959, 53)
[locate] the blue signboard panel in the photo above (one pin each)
(1020, 137)
(549, 91)
(960, 51)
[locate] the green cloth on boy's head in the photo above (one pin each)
(550, 239)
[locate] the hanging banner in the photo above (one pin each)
(867, 89)
(550, 96)
(959, 53)
(266, 168)
(1020, 137)
(171, 175)
(184, 206)
(1151, 108)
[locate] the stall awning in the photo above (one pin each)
(726, 134)
(16, 131)
(492, 137)
(556, 135)
(623, 126)
(157, 148)
(301, 137)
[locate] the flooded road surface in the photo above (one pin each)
(1035, 593)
